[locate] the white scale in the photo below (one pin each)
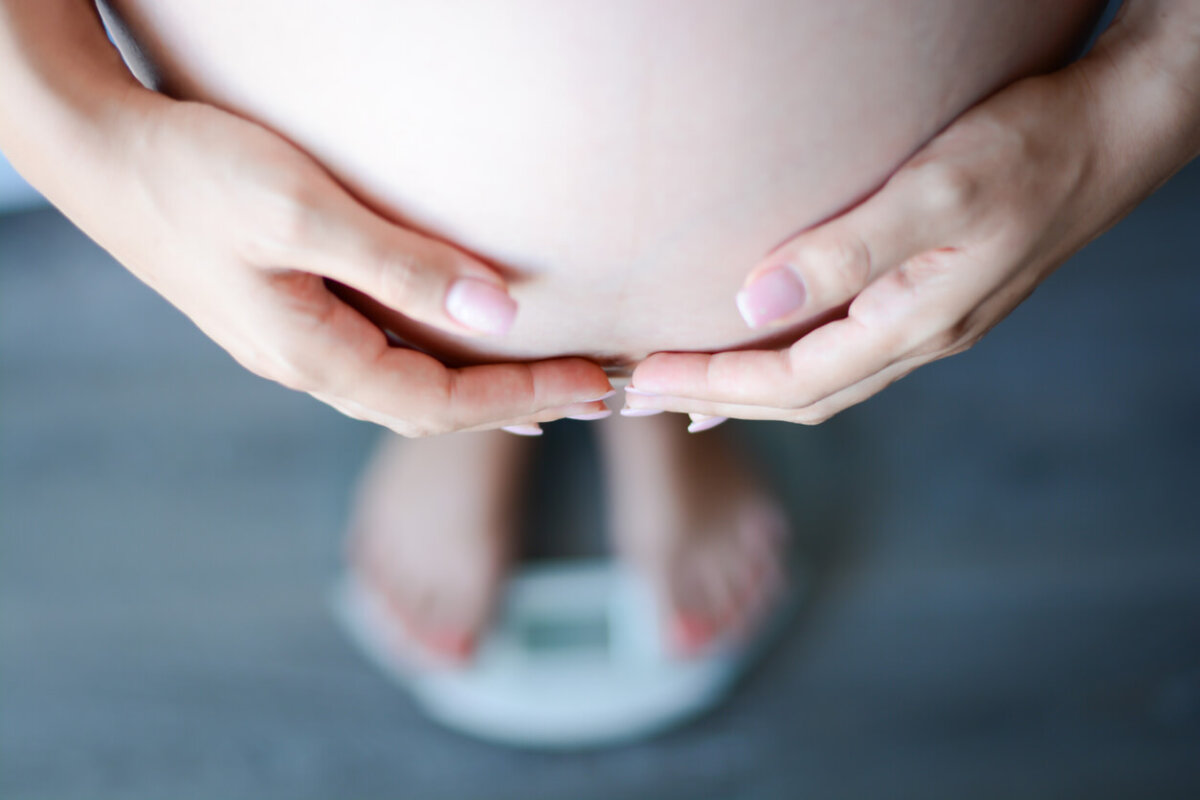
(576, 658)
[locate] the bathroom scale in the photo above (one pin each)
(575, 658)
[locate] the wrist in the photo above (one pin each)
(1144, 77)
(66, 93)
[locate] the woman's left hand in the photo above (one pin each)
(952, 242)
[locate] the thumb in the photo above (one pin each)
(420, 277)
(827, 265)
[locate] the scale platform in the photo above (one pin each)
(575, 659)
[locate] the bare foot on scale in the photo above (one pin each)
(692, 516)
(432, 531)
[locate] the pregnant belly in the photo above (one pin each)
(623, 163)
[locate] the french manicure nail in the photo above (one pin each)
(592, 416)
(639, 392)
(481, 306)
(702, 422)
(524, 430)
(775, 294)
(640, 412)
(604, 396)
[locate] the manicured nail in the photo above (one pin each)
(639, 392)
(640, 412)
(524, 430)
(604, 396)
(481, 306)
(592, 416)
(702, 422)
(775, 294)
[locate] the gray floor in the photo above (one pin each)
(1005, 544)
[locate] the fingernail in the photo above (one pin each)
(524, 430)
(775, 294)
(592, 416)
(702, 422)
(640, 412)
(604, 396)
(481, 306)
(639, 392)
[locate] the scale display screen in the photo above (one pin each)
(566, 634)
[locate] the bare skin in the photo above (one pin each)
(687, 512)
(435, 553)
(621, 225)
(694, 517)
(620, 164)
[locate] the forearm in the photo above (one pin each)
(64, 86)
(1143, 78)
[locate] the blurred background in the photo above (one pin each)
(1005, 552)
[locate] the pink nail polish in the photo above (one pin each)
(640, 412)
(524, 430)
(702, 422)
(481, 306)
(775, 294)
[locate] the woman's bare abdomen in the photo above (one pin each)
(623, 163)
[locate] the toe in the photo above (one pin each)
(697, 608)
(449, 645)
(690, 633)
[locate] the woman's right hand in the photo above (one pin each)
(238, 228)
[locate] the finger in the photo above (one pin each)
(894, 315)
(706, 408)
(815, 414)
(525, 425)
(825, 266)
(583, 412)
(930, 338)
(345, 359)
(958, 339)
(828, 407)
(829, 358)
(422, 278)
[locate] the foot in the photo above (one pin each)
(693, 517)
(432, 531)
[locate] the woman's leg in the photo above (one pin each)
(692, 515)
(432, 530)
